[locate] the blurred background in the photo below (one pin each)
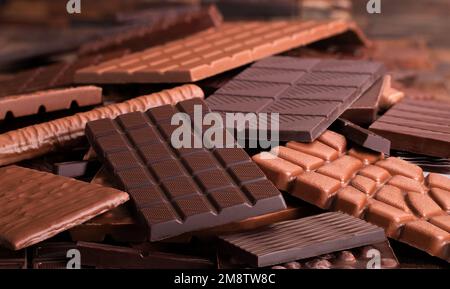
(411, 37)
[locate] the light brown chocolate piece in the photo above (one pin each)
(211, 52)
(37, 205)
(37, 140)
(50, 100)
(391, 193)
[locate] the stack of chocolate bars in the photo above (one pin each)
(124, 151)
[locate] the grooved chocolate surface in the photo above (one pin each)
(13, 259)
(391, 193)
(50, 100)
(180, 190)
(302, 238)
(37, 205)
(309, 94)
(417, 126)
(211, 52)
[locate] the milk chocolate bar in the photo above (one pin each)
(157, 29)
(211, 52)
(416, 126)
(185, 189)
(48, 205)
(390, 193)
(116, 257)
(39, 139)
(119, 224)
(303, 238)
(49, 100)
(308, 94)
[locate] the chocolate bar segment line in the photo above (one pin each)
(39, 139)
(48, 205)
(302, 238)
(178, 191)
(416, 126)
(308, 94)
(390, 193)
(50, 100)
(211, 52)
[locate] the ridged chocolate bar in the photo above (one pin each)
(39, 139)
(37, 205)
(390, 193)
(48, 101)
(417, 126)
(211, 52)
(13, 259)
(180, 190)
(303, 238)
(308, 94)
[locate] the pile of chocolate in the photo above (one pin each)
(359, 157)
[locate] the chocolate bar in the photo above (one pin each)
(119, 224)
(73, 169)
(52, 76)
(116, 257)
(259, 9)
(180, 190)
(211, 52)
(53, 255)
(303, 238)
(427, 163)
(308, 94)
(362, 136)
(48, 205)
(160, 30)
(50, 100)
(13, 259)
(390, 193)
(417, 126)
(39, 139)
(364, 110)
(357, 258)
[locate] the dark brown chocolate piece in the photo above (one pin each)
(391, 193)
(303, 238)
(309, 94)
(13, 259)
(416, 126)
(362, 136)
(53, 255)
(180, 190)
(364, 111)
(116, 257)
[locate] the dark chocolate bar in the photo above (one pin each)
(357, 258)
(53, 255)
(309, 94)
(362, 136)
(116, 257)
(180, 190)
(364, 111)
(391, 193)
(416, 126)
(303, 238)
(13, 259)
